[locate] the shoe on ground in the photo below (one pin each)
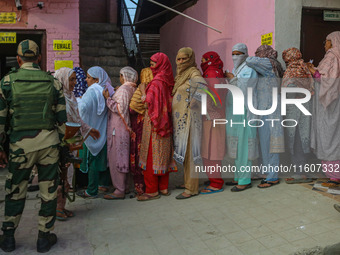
(7, 243)
(46, 241)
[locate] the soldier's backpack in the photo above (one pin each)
(33, 99)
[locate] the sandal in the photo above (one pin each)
(113, 196)
(147, 197)
(210, 191)
(330, 184)
(68, 213)
(165, 193)
(103, 189)
(337, 207)
(180, 196)
(232, 183)
(236, 189)
(296, 181)
(263, 181)
(84, 194)
(61, 215)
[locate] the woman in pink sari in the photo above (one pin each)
(119, 130)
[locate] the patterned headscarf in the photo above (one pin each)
(297, 72)
(63, 74)
(136, 103)
(184, 70)
(266, 51)
(213, 64)
(81, 86)
(129, 74)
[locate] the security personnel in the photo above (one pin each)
(32, 108)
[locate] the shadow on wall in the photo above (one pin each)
(222, 45)
(179, 31)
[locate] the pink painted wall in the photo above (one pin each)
(239, 20)
(60, 19)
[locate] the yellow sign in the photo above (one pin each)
(8, 17)
(63, 63)
(6, 37)
(267, 39)
(64, 45)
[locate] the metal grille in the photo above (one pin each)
(129, 37)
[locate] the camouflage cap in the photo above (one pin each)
(28, 48)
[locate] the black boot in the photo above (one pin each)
(7, 243)
(46, 241)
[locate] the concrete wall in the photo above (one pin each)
(60, 19)
(240, 21)
(288, 14)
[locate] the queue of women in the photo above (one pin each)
(150, 129)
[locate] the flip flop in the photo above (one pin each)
(211, 191)
(148, 197)
(103, 189)
(113, 197)
(180, 196)
(337, 207)
(330, 184)
(61, 218)
(68, 213)
(236, 189)
(84, 194)
(165, 194)
(263, 181)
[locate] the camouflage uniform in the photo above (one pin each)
(28, 148)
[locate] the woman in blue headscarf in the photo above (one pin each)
(93, 111)
(241, 138)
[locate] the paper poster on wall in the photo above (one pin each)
(62, 45)
(8, 17)
(8, 37)
(63, 63)
(267, 39)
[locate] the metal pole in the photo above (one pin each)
(200, 22)
(159, 14)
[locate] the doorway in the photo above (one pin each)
(313, 33)
(8, 51)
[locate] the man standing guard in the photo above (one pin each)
(32, 109)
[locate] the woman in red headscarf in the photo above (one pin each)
(213, 138)
(156, 154)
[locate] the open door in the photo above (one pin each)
(8, 51)
(313, 33)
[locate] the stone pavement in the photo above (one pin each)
(278, 220)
